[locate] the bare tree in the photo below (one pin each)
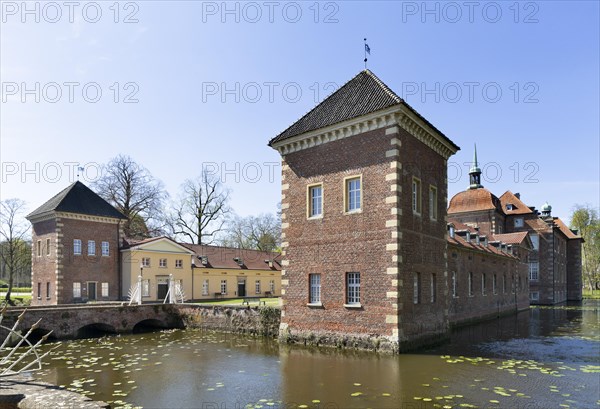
(262, 232)
(201, 211)
(13, 234)
(133, 190)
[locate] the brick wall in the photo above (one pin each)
(422, 244)
(43, 271)
(338, 242)
(87, 268)
(574, 277)
(512, 290)
(488, 221)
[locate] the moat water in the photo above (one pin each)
(547, 357)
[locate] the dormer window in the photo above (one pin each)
(509, 206)
(451, 231)
(468, 237)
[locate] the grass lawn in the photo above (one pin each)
(272, 302)
(595, 294)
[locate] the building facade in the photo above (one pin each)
(203, 272)
(75, 255)
(80, 254)
(554, 261)
(364, 230)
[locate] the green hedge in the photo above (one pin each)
(17, 290)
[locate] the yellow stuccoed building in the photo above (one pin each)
(203, 272)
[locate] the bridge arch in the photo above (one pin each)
(149, 325)
(38, 333)
(95, 330)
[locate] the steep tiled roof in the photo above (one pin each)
(511, 238)
(489, 249)
(223, 257)
(472, 200)
(518, 207)
(363, 94)
(565, 229)
(458, 226)
(80, 199)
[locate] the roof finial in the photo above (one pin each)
(367, 51)
(475, 172)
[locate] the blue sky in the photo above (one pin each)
(209, 83)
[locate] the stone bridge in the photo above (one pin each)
(82, 321)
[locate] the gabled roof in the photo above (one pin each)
(565, 229)
(518, 207)
(148, 244)
(80, 199)
(489, 249)
(223, 257)
(472, 200)
(512, 238)
(363, 94)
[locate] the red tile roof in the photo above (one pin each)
(459, 241)
(223, 257)
(565, 229)
(474, 200)
(518, 206)
(511, 238)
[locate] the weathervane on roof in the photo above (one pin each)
(367, 51)
(79, 169)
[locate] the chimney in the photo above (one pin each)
(518, 196)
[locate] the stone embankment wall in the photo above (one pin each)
(245, 320)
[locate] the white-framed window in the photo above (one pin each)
(91, 248)
(416, 195)
(353, 194)
(433, 203)
(272, 286)
(433, 289)
(470, 284)
(47, 247)
(257, 287)
(145, 261)
(534, 269)
(509, 206)
(39, 248)
(315, 288)
(494, 282)
(105, 249)
(534, 296)
(416, 288)
(315, 201)
(104, 289)
(146, 288)
(483, 283)
(76, 290)
(178, 263)
(162, 263)
(77, 247)
(519, 222)
(454, 285)
(223, 287)
(205, 286)
(535, 240)
(39, 291)
(353, 288)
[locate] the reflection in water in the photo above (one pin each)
(543, 358)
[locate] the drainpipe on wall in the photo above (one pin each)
(553, 268)
(119, 262)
